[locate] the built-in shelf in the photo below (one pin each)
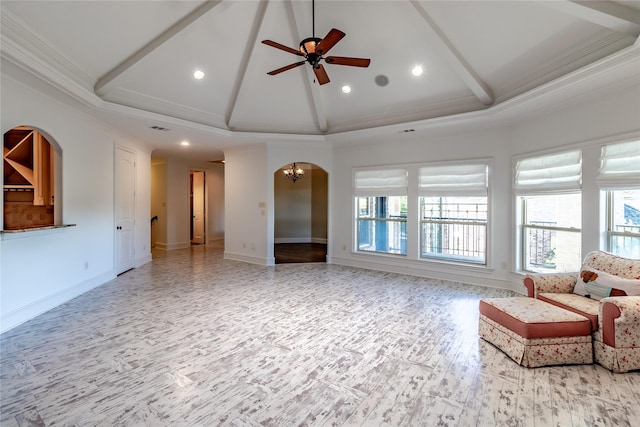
(28, 180)
(28, 164)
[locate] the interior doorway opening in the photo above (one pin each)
(300, 214)
(197, 206)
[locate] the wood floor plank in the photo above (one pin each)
(193, 339)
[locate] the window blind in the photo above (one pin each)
(620, 165)
(550, 173)
(453, 180)
(381, 182)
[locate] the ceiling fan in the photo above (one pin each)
(313, 49)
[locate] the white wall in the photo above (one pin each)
(248, 189)
(159, 202)
(214, 174)
(586, 124)
(42, 269)
(249, 193)
(425, 147)
(319, 206)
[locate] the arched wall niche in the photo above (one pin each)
(32, 179)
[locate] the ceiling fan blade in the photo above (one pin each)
(282, 47)
(332, 37)
(321, 74)
(343, 60)
(288, 67)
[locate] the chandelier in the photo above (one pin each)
(293, 173)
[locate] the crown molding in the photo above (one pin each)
(25, 49)
(138, 100)
(622, 67)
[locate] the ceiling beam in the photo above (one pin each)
(455, 59)
(614, 16)
(244, 62)
(103, 81)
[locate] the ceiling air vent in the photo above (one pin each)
(160, 128)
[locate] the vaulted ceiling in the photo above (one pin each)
(133, 61)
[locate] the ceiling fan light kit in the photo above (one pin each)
(313, 49)
(309, 45)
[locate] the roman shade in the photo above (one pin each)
(380, 182)
(620, 165)
(549, 173)
(453, 180)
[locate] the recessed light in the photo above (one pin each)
(198, 74)
(184, 143)
(346, 89)
(417, 70)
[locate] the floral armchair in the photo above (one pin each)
(615, 320)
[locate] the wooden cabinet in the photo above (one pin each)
(28, 166)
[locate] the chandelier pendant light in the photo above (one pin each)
(294, 173)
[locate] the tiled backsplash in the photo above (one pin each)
(18, 215)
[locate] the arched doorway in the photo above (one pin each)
(300, 213)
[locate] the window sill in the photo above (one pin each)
(33, 231)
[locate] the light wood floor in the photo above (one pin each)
(192, 339)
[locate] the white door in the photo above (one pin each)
(198, 207)
(125, 209)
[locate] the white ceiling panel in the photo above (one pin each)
(137, 58)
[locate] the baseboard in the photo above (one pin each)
(172, 246)
(143, 260)
(416, 269)
(249, 259)
(216, 237)
(36, 308)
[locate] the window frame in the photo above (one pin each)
(619, 171)
(374, 219)
(610, 221)
(454, 179)
(469, 177)
(553, 173)
(525, 226)
(473, 222)
(379, 182)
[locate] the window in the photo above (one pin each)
(623, 222)
(381, 210)
(551, 232)
(382, 224)
(620, 177)
(548, 189)
(453, 212)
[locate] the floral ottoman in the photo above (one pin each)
(535, 333)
